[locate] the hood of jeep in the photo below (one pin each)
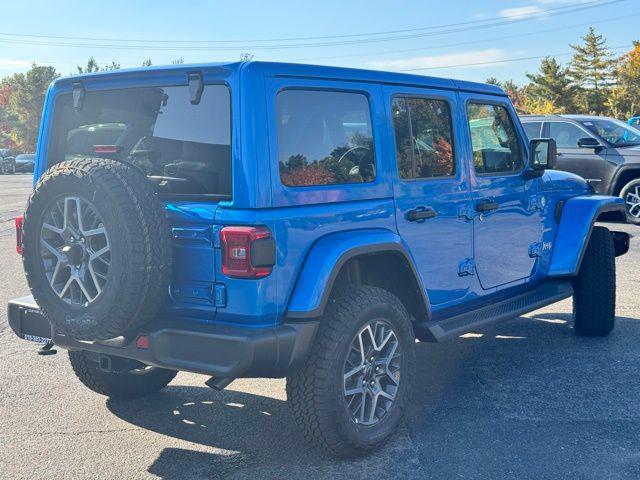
(560, 180)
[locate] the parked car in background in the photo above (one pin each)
(604, 151)
(7, 161)
(634, 122)
(25, 162)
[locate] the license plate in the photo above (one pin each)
(36, 338)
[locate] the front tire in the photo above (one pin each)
(349, 396)
(631, 195)
(594, 298)
(134, 383)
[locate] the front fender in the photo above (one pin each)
(576, 223)
(326, 258)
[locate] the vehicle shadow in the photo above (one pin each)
(526, 399)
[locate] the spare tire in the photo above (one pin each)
(96, 248)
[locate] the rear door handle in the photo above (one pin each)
(485, 206)
(420, 213)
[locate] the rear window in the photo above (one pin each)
(183, 148)
(324, 138)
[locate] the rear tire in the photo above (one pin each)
(594, 298)
(630, 193)
(119, 386)
(318, 392)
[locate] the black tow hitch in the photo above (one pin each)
(47, 349)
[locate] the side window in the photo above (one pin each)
(494, 139)
(533, 129)
(324, 138)
(424, 139)
(566, 134)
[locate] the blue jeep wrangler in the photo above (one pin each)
(271, 220)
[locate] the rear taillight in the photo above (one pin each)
(247, 252)
(19, 221)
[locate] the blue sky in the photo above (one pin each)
(454, 38)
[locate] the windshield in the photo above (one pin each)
(617, 133)
(183, 148)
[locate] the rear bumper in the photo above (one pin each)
(217, 350)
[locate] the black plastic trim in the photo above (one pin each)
(211, 349)
(621, 242)
(455, 325)
(609, 207)
(344, 258)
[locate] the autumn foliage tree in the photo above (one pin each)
(21, 101)
(624, 100)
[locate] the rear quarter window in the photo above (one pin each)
(324, 138)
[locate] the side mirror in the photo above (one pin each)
(543, 154)
(588, 142)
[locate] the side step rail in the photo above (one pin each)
(457, 325)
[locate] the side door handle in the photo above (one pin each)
(485, 206)
(420, 213)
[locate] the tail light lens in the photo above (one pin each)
(247, 252)
(19, 221)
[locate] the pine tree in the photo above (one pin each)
(552, 84)
(591, 70)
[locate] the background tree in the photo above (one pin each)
(591, 70)
(23, 100)
(7, 119)
(552, 87)
(92, 66)
(517, 94)
(624, 100)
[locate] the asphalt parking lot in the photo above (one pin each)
(526, 399)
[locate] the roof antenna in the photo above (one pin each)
(196, 87)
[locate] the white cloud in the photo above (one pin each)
(521, 12)
(9, 63)
(449, 60)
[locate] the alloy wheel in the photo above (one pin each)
(75, 250)
(371, 375)
(632, 199)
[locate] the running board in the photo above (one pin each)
(541, 296)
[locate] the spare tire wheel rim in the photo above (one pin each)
(75, 250)
(371, 373)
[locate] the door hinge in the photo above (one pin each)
(467, 267)
(466, 212)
